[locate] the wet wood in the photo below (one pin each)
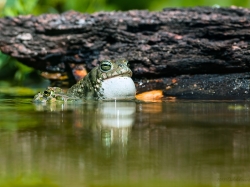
(201, 86)
(159, 45)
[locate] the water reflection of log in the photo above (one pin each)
(191, 113)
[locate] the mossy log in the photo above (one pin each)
(170, 44)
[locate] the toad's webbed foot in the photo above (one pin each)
(52, 94)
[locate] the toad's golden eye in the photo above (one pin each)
(125, 62)
(106, 65)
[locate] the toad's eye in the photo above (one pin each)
(125, 62)
(46, 93)
(106, 65)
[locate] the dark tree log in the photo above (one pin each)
(159, 45)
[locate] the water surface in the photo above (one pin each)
(181, 143)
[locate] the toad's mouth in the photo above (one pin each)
(128, 74)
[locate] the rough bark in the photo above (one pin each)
(159, 45)
(201, 86)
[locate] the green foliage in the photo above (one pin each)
(160, 4)
(16, 7)
(11, 69)
(88, 5)
(3, 59)
(7, 67)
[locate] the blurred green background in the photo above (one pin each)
(14, 74)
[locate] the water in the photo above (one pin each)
(181, 143)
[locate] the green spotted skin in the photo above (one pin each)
(90, 87)
(52, 94)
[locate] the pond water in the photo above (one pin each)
(109, 144)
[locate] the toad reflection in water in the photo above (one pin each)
(109, 122)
